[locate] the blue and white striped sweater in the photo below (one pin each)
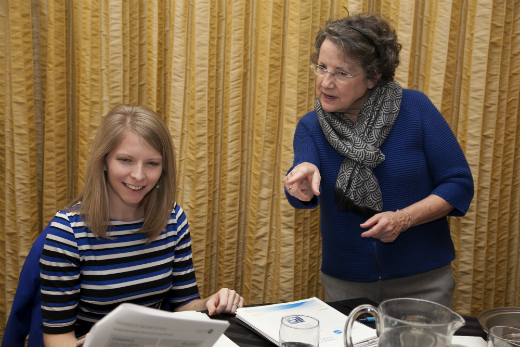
(83, 277)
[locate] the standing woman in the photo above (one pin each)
(123, 239)
(384, 167)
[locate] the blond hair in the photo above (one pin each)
(93, 202)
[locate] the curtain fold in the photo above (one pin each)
(231, 78)
(18, 201)
(55, 167)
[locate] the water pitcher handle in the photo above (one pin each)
(352, 318)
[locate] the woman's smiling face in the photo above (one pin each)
(336, 96)
(133, 169)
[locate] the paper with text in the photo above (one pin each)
(132, 325)
(223, 340)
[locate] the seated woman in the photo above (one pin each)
(123, 239)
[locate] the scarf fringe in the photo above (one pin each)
(347, 205)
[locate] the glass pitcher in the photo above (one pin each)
(409, 322)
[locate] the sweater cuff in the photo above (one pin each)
(457, 195)
(296, 203)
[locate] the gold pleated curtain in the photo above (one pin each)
(231, 79)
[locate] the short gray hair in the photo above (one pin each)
(383, 59)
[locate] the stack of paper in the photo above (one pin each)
(223, 341)
(139, 326)
(265, 320)
(468, 341)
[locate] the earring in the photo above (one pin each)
(157, 186)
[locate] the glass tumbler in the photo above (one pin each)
(299, 331)
(503, 337)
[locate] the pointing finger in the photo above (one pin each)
(316, 184)
(294, 177)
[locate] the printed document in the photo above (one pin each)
(132, 325)
(468, 341)
(265, 320)
(223, 341)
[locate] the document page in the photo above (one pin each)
(223, 340)
(132, 325)
(266, 321)
(468, 341)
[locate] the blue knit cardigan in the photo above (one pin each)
(423, 157)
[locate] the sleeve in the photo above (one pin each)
(184, 284)
(305, 151)
(59, 277)
(452, 178)
(25, 317)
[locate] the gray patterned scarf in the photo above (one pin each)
(357, 189)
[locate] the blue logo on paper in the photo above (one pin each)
(295, 320)
(337, 331)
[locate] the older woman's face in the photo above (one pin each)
(337, 96)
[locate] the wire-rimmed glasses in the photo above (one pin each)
(341, 76)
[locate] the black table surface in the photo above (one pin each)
(244, 337)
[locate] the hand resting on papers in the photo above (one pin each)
(223, 301)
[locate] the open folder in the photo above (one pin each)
(265, 320)
(132, 325)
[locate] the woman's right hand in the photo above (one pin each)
(303, 182)
(82, 341)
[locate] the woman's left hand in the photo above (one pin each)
(224, 301)
(386, 226)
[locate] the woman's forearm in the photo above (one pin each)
(60, 340)
(195, 305)
(429, 209)
(387, 226)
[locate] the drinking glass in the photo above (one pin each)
(503, 337)
(299, 331)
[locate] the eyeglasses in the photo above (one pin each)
(341, 76)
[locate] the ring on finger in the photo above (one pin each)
(237, 305)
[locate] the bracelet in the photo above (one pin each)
(409, 217)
